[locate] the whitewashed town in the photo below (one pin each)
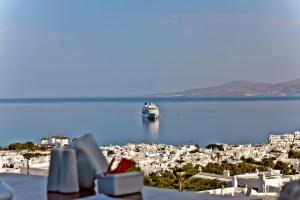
(157, 158)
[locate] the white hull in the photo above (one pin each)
(151, 115)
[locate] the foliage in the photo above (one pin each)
(28, 156)
(284, 167)
(43, 148)
(235, 169)
(220, 147)
(294, 154)
(171, 179)
(249, 160)
(18, 146)
(194, 151)
(269, 162)
(180, 161)
(275, 151)
(110, 152)
(25, 146)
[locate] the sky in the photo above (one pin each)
(78, 48)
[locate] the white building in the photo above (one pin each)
(53, 140)
(273, 139)
(297, 135)
(45, 141)
(288, 137)
(60, 141)
(64, 141)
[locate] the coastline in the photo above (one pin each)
(147, 98)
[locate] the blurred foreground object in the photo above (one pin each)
(5, 191)
(291, 191)
(77, 167)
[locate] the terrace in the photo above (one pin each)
(35, 188)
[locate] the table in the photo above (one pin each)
(30, 187)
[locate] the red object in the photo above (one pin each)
(123, 166)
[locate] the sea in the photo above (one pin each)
(183, 120)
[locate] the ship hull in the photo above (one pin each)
(150, 115)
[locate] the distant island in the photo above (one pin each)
(242, 88)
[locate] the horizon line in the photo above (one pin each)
(144, 98)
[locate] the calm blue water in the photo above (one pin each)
(118, 120)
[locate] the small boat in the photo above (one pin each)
(150, 111)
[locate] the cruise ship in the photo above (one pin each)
(150, 111)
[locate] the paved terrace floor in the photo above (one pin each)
(30, 187)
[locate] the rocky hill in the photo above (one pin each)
(243, 88)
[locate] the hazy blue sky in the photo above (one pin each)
(123, 48)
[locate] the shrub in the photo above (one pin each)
(294, 154)
(110, 152)
(220, 147)
(172, 179)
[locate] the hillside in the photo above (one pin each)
(243, 88)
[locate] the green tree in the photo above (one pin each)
(24, 146)
(194, 151)
(268, 162)
(284, 167)
(294, 154)
(235, 169)
(220, 147)
(181, 178)
(180, 161)
(28, 156)
(110, 152)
